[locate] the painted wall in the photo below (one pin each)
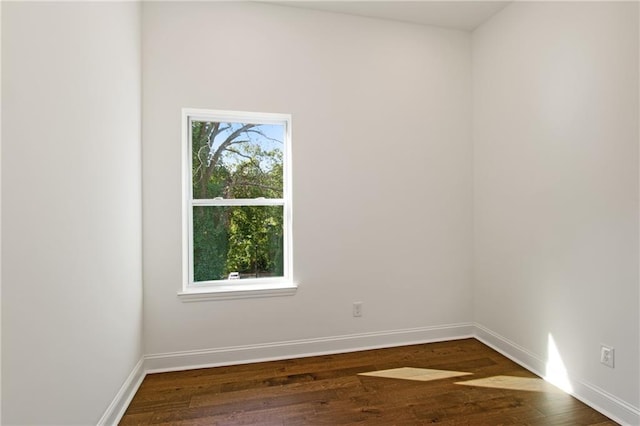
(71, 210)
(555, 122)
(381, 167)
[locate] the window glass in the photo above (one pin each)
(237, 242)
(236, 160)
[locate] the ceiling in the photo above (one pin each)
(461, 15)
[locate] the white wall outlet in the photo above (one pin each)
(606, 355)
(357, 309)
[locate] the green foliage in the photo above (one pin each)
(210, 243)
(235, 160)
(255, 241)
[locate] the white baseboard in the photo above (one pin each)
(600, 400)
(511, 350)
(188, 360)
(303, 348)
(119, 405)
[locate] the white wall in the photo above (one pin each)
(555, 123)
(381, 167)
(71, 218)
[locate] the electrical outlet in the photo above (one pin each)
(607, 355)
(357, 309)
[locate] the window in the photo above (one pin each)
(237, 203)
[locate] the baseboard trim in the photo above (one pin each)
(119, 405)
(216, 357)
(598, 399)
(609, 405)
(511, 350)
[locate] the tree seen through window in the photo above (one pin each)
(232, 162)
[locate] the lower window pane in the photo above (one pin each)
(237, 242)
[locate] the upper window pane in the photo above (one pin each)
(237, 160)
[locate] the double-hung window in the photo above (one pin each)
(237, 204)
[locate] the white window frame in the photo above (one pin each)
(233, 289)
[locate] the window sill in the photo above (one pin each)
(238, 291)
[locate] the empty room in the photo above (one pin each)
(312, 213)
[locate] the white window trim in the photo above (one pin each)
(233, 289)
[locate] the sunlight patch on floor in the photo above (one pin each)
(418, 374)
(533, 384)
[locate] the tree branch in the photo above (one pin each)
(216, 156)
(257, 185)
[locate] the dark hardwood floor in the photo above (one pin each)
(333, 390)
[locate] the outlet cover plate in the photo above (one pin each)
(607, 355)
(357, 309)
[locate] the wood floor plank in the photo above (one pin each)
(330, 390)
(273, 392)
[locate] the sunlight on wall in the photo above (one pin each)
(556, 372)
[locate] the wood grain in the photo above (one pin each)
(331, 390)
